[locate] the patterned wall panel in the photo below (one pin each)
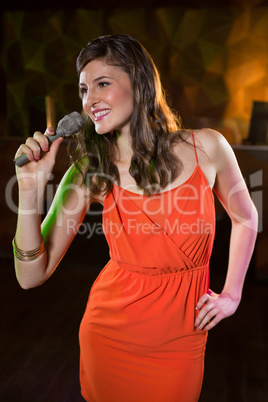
(213, 62)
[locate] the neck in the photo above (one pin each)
(124, 147)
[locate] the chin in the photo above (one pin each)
(102, 132)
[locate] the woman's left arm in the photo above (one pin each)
(232, 192)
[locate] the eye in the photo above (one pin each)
(103, 84)
(82, 92)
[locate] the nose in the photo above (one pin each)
(91, 99)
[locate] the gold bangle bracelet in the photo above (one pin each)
(26, 256)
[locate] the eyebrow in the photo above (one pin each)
(97, 79)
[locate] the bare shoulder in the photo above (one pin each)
(208, 144)
(222, 159)
(213, 146)
(209, 140)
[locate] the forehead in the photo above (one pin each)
(98, 68)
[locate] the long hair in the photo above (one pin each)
(154, 127)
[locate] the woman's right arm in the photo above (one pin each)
(63, 218)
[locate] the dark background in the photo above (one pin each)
(213, 61)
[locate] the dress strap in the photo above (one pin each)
(194, 147)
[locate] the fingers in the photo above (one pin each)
(54, 147)
(213, 308)
(203, 299)
(209, 314)
(34, 145)
(24, 149)
(212, 323)
(49, 131)
(208, 318)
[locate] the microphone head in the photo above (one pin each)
(71, 124)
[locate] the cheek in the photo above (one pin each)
(84, 104)
(122, 96)
(127, 100)
(86, 108)
(111, 96)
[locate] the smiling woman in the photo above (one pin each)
(107, 91)
(143, 334)
(117, 74)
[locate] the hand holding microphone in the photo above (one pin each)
(67, 126)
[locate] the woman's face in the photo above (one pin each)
(107, 96)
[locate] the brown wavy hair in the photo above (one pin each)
(154, 127)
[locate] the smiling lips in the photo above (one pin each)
(101, 113)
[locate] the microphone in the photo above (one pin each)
(67, 126)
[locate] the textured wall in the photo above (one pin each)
(213, 61)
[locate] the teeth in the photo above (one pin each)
(101, 113)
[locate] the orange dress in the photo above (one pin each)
(137, 337)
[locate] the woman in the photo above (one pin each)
(144, 331)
